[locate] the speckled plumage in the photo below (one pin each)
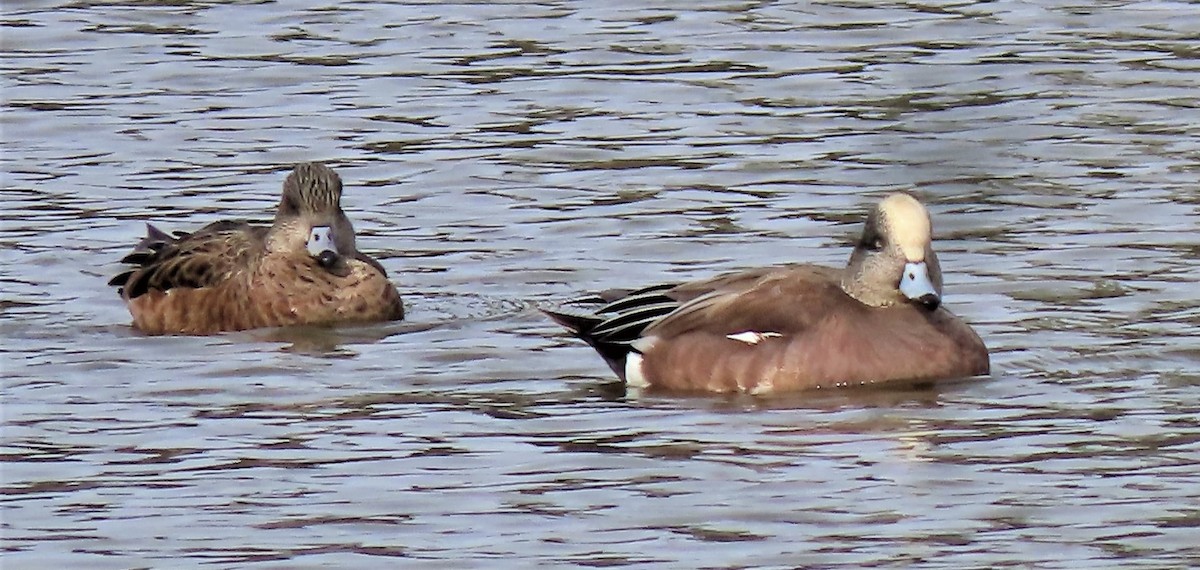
(231, 275)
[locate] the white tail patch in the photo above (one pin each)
(752, 337)
(635, 377)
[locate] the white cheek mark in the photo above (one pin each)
(752, 337)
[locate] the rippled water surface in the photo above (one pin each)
(502, 156)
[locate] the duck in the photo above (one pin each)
(230, 275)
(877, 321)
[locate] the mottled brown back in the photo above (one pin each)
(231, 275)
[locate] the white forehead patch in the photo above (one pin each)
(907, 224)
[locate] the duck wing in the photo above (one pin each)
(203, 258)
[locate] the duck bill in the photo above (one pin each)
(321, 246)
(916, 285)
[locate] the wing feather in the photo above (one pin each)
(190, 260)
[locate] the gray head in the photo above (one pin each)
(894, 261)
(310, 217)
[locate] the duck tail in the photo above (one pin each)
(582, 326)
(142, 254)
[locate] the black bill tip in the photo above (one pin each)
(328, 259)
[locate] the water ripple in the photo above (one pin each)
(501, 156)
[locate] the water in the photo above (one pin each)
(502, 156)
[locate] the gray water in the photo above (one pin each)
(499, 157)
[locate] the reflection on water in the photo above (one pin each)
(499, 157)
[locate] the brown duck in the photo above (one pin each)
(230, 275)
(878, 320)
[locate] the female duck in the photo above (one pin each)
(304, 269)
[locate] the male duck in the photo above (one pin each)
(791, 327)
(231, 275)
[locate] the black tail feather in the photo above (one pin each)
(120, 279)
(143, 254)
(581, 326)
